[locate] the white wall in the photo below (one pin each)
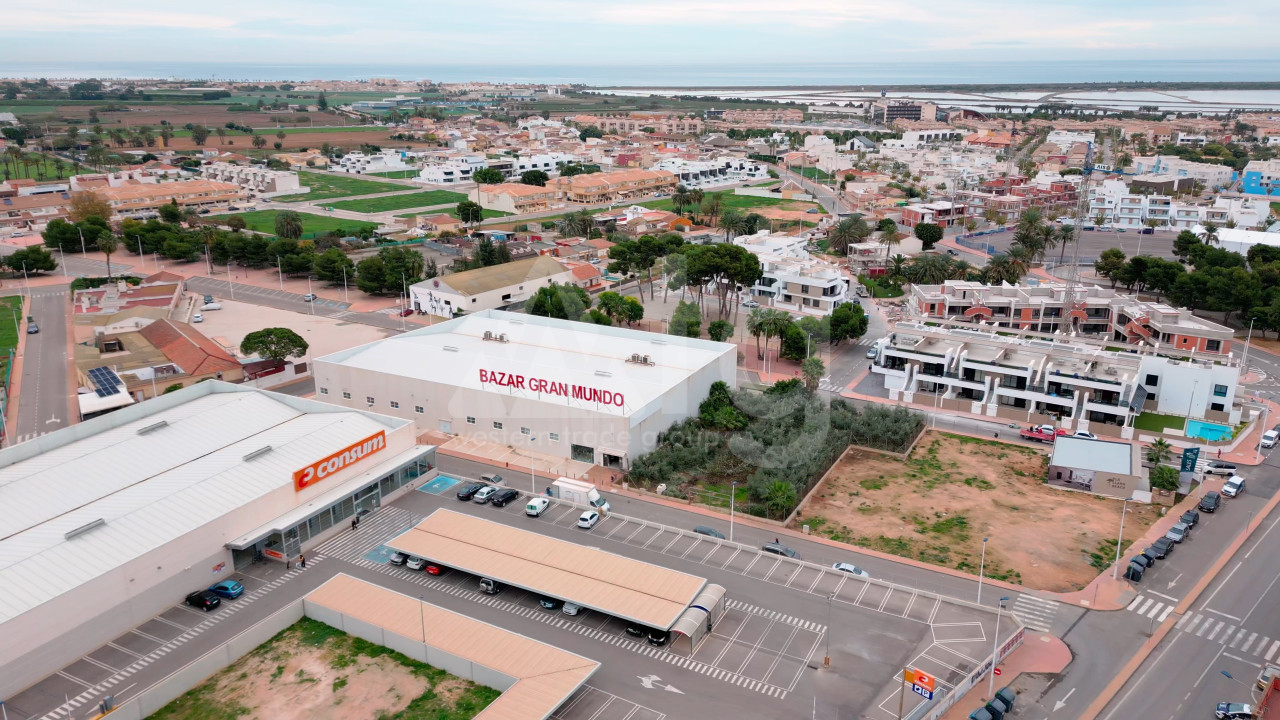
(491, 300)
(1187, 389)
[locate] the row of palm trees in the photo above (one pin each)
(851, 231)
(767, 323)
(44, 165)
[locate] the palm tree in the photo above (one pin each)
(1210, 233)
(843, 234)
(897, 267)
(1022, 257)
(107, 244)
(1066, 234)
(960, 270)
(1159, 451)
(712, 206)
(756, 326)
(681, 199)
(1003, 268)
(259, 141)
(929, 269)
(776, 323)
(576, 223)
(732, 222)
(889, 237)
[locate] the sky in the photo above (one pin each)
(632, 32)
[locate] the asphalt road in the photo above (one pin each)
(292, 301)
(45, 385)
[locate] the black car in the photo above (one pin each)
(549, 603)
(502, 497)
(636, 630)
(659, 637)
(1191, 518)
(778, 548)
(468, 491)
(1162, 547)
(204, 599)
(399, 558)
(704, 530)
(1210, 501)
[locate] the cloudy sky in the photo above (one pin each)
(630, 32)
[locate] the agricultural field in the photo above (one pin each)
(951, 491)
(312, 671)
(264, 221)
(388, 203)
(35, 166)
(325, 186)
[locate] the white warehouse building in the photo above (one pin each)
(586, 392)
(111, 522)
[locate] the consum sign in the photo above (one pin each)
(347, 456)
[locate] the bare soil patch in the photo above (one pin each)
(953, 490)
(314, 672)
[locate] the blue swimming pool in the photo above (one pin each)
(1207, 431)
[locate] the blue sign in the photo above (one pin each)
(923, 692)
(1189, 458)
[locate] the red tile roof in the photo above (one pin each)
(187, 348)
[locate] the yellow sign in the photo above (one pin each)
(917, 677)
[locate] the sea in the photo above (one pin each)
(698, 75)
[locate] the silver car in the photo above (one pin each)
(1178, 532)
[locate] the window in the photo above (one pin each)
(555, 437)
(1152, 379)
(1217, 406)
(497, 425)
(1219, 390)
(368, 399)
(395, 404)
(1212, 345)
(346, 396)
(471, 420)
(324, 391)
(417, 409)
(525, 431)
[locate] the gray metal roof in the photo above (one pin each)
(150, 474)
(1097, 455)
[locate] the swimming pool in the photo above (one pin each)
(1207, 431)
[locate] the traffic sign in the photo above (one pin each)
(921, 682)
(997, 671)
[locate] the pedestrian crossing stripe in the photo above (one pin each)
(1231, 636)
(1035, 613)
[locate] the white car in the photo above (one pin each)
(1085, 435)
(415, 563)
(197, 318)
(1233, 486)
(750, 304)
(588, 519)
(536, 506)
(871, 354)
(483, 494)
(570, 609)
(851, 569)
(1269, 438)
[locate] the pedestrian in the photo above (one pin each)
(353, 526)
(302, 562)
(357, 521)
(777, 541)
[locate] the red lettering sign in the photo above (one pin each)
(551, 387)
(345, 457)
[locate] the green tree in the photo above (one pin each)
(33, 259)
(487, 176)
(812, 370)
(795, 343)
(1164, 477)
(172, 388)
(590, 131)
(534, 177)
(274, 344)
(720, 330)
(403, 266)
(1184, 242)
(470, 212)
(848, 322)
(779, 498)
(847, 232)
(322, 102)
(333, 266)
(237, 223)
(632, 310)
(929, 269)
(1003, 268)
(1159, 451)
(170, 212)
(928, 234)
(371, 275)
(757, 326)
(288, 224)
(199, 134)
(107, 244)
(686, 320)
(1109, 264)
(566, 302)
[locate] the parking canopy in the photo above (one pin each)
(602, 581)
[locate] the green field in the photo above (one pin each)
(264, 221)
(399, 174)
(325, 186)
(46, 169)
(1155, 422)
(812, 173)
(400, 202)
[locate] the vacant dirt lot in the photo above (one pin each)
(314, 672)
(952, 491)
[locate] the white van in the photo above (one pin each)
(536, 506)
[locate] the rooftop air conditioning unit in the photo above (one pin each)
(502, 338)
(488, 335)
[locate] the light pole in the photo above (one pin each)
(280, 272)
(63, 255)
(1115, 571)
(826, 661)
(533, 483)
(344, 284)
(981, 567)
(231, 288)
(1265, 409)
(733, 492)
(1244, 363)
(422, 620)
(995, 648)
(313, 297)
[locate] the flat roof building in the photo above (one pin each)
(487, 288)
(1098, 466)
(111, 521)
(592, 393)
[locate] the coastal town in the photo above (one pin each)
(595, 403)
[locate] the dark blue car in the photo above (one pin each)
(230, 589)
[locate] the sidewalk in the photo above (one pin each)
(1037, 654)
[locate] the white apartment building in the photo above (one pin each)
(1066, 138)
(794, 280)
(548, 163)
(253, 177)
(455, 170)
(359, 163)
(1117, 206)
(713, 173)
(957, 167)
(1210, 175)
(1076, 384)
(912, 139)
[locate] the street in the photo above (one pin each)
(45, 387)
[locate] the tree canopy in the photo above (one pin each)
(274, 344)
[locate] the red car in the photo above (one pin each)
(405, 312)
(433, 569)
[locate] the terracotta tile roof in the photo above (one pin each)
(187, 348)
(164, 276)
(585, 271)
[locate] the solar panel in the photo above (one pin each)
(105, 381)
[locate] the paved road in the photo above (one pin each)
(292, 301)
(77, 266)
(45, 385)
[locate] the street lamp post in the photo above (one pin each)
(280, 272)
(981, 567)
(313, 297)
(344, 285)
(1244, 363)
(1265, 410)
(422, 619)
(1115, 571)
(533, 483)
(826, 660)
(995, 648)
(733, 492)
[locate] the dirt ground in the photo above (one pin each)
(310, 673)
(324, 335)
(952, 491)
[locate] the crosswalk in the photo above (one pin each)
(1153, 607)
(1034, 612)
(1220, 629)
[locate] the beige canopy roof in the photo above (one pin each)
(545, 675)
(612, 584)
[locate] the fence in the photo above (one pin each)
(940, 705)
(979, 245)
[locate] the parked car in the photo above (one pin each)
(1233, 486)
(483, 494)
(197, 318)
(1142, 561)
(778, 548)
(851, 569)
(750, 304)
(1220, 467)
(1264, 678)
(230, 589)
(502, 497)
(32, 328)
(1162, 547)
(1209, 502)
(588, 519)
(658, 637)
(203, 599)
(468, 491)
(211, 306)
(637, 630)
(309, 297)
(208, 299)
(1178, 532)
(536, 506)
(399, 558)
(549, 603)
(871, 354)
(433, 569)
(704, 530)
(571, 609)
(491, 478)
(489, 586)
(1190, 517)
(404, 313)
(1233, 711)
(1085, 435)
(1269, 438)
(416, 563)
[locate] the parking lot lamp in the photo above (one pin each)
(826, 661)
(733, 492)
(995, 648)
(533, 483)
(1115, 571)
(982, 565)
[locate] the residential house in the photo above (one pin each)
(487, 288)
(794, 280)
